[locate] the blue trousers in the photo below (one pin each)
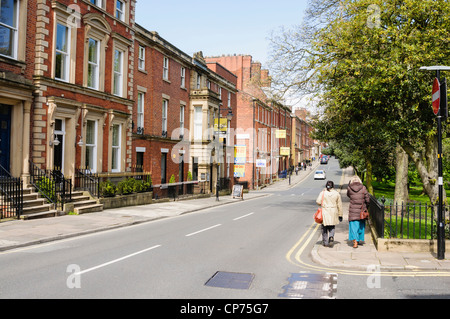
(356, 230)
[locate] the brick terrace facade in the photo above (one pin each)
(84, 86)
(102, 93)
(161, 89)
(169, 85)
(17, 58)
(258, 120)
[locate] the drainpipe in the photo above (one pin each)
(253, 143)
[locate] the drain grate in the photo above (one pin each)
(232, 280)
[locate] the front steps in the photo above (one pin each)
(83, 203)
(36, 206)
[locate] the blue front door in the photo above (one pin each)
(5, 136)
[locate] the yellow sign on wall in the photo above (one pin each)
(285, 151)
(280, 133)
(240, 154)
(239, 170)
(223, 124)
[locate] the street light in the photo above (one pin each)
(229, 117)
(440, 114)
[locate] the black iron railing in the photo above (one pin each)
(11, 195)
(87, 181)
(411, 220)
(52, 185)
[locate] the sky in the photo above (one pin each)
(220, 27)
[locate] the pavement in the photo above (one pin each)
(342, 255)
(18, 233)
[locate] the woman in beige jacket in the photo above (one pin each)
(331, 203)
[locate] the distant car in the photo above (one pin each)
(324, 160)
(320, 175)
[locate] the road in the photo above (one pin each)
(249, 244)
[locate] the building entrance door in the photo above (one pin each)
(5, 136)
(58, 145)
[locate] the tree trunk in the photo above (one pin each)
(369, 176)
(401, 176)
(427, 165)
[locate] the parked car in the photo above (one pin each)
(320, 175)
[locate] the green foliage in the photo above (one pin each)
(140, 186)
(47, 187)
(366, 77)
(126, 186)
(172, 179)
(189, 176)
(108, 189)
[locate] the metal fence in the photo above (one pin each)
(87, 181)
(412, 220)
(11, 195)
(52, 185)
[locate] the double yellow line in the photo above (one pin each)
(295, 253)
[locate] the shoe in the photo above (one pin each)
(355, 244)
(331, 239)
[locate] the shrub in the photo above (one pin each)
(146, 186)
(47, 187)
(172, 179)
(126, 186)
(108, 189)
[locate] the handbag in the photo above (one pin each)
(364, 214)
(318, 218)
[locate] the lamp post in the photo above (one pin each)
(229, 117)
(441, 113)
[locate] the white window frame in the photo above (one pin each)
(120, 13)
(141, 58)
(140, 109)
(14, 30)
(98, 3)
(165, 107)
(198, 123)
(65, 63)
(183, 77)
(116, 150)
(199, 81)
(95, 65)
(229, 99)
(118, 72)
(166, 68)
(182, 110)
(92, 146)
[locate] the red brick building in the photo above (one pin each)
(225, 86)
(263, 126)
(161, 112)
(177, 99)
(84, 86)
(17, 58)
(308, 149)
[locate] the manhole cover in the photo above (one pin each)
(311, 286)
(231, 280)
